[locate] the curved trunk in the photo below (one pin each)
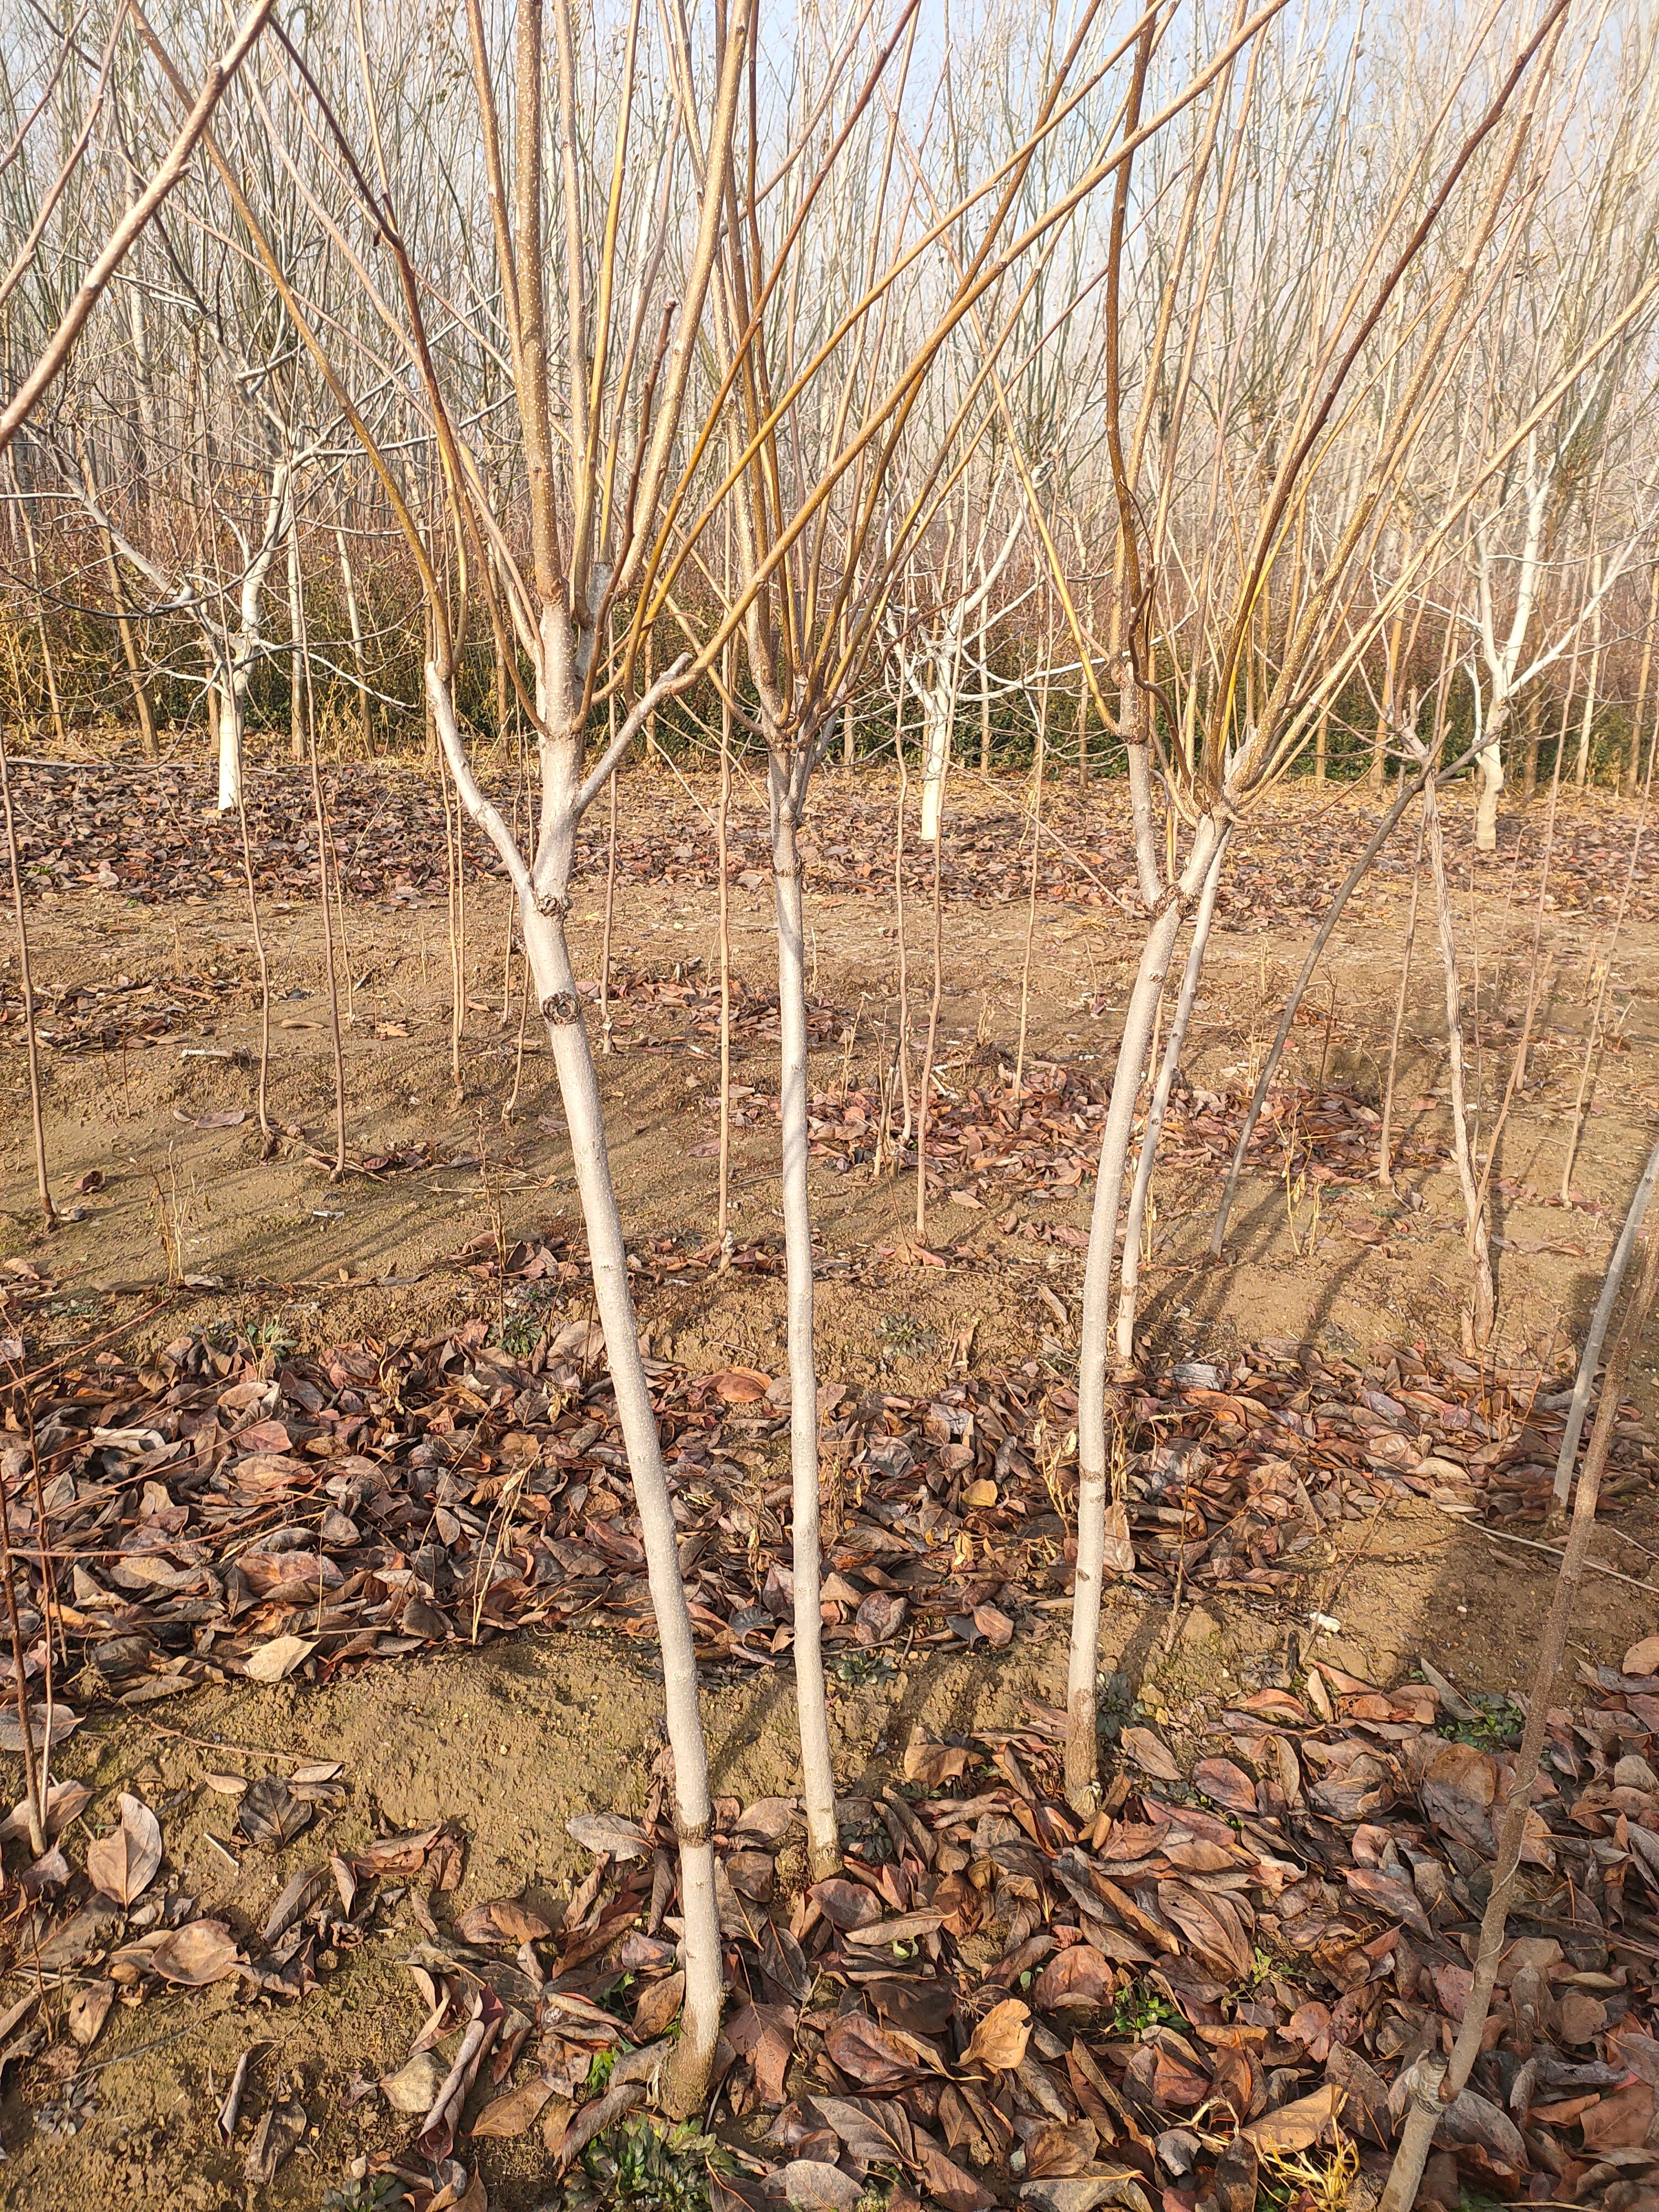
(687, 2076)
(817, 1775)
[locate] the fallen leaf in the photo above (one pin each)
(867, 2054)
(276, 1661)
(812, 2182)
(411, 2089)
(998, 2042)
(201, 1952)
(503, 1920)
(1225, 1784)
(269, 1813)
(610, 1834)
(1147, 1751)
(123, 1863)
(1076, 1977)
(740, 1386)
(512, 2113)
(277, 2134)
(89, 2008)
(62, 1723)
(846, 1905)
(659, 2001)
(64, 1800)
(932, 1763)
(1296, 2126)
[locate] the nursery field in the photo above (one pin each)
(360, 1887)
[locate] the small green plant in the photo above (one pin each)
(1498, 1726)
(1138, 2008)
(601, 2067)
(369, 2193)
(1261, 1966)
(641, 2166)
(857, 1668)
(523, 1323)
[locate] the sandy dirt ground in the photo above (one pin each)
(177, 1225)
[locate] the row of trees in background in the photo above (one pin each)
(754, 372)
(338, 653)
(194, 517)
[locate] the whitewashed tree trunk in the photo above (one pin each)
(1129, 1273)
(1082, 1748)
(938, 702)
(225, 705)
(249, 640)
(1489, 762)
(1480, 1313)
(786, 781)
(544, 903)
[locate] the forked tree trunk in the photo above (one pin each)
(1129, 1275)
(786, 781)
(542, 921)
(1082, 1746)
(1480, 1313)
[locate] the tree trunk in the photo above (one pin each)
(817, 1777)
(936, 702)
(296, 657)
(25, 983)
(541, 920)
(226, 698)
(1129, 1273)
(1082, 1747)
(1481, 1312)
(555, 989)
(1490, 763)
